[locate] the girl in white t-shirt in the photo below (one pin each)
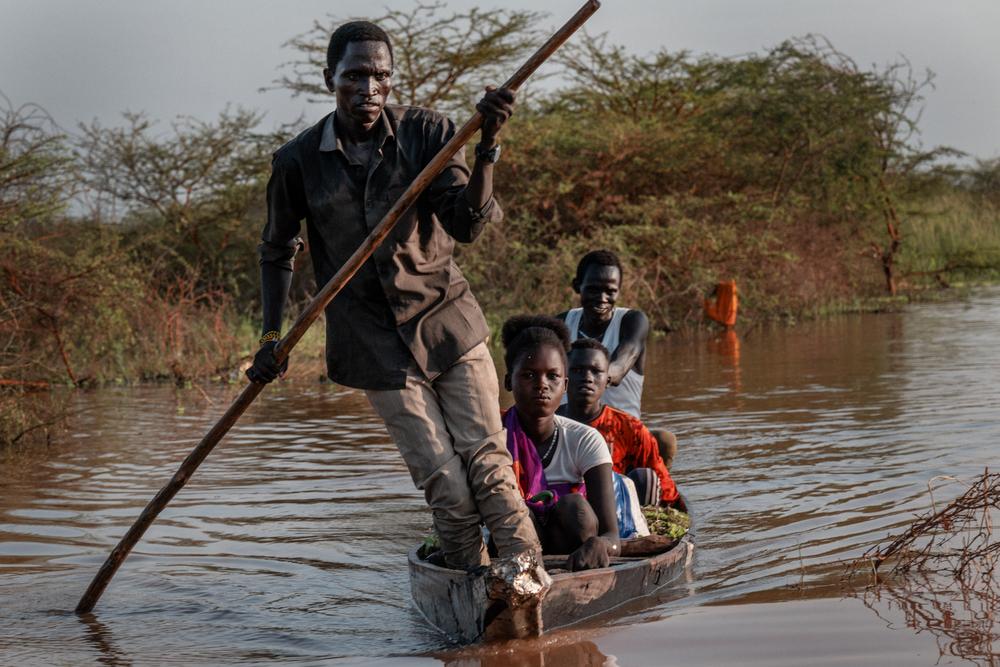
(563, 467)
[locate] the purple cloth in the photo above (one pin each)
(539, 495)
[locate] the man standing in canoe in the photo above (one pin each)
(406, 329)
(622, 331)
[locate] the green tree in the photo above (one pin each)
(60, 301)
(984, 180)
(35, 177)
(606, 78)
(191, 198)
(799, 127)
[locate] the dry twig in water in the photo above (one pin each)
(956, 540)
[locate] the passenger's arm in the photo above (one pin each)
(598, 550)
(632, 343)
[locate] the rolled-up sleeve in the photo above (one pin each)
(463, 221)
(286, 208)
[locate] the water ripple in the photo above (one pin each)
(288, 544)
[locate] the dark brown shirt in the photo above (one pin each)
(409, 302)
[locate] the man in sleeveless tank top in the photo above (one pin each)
(623, 331)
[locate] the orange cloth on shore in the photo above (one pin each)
(633, 446)
(726, 304)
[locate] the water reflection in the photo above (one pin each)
(964, 620)
(99, 636)
(727, 346)
(798, 449)
(565, 650)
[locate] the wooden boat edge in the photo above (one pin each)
(468, 603)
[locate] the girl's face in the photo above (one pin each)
(538, 381)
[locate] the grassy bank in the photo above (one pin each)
(954, 239)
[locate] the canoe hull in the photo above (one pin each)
(456, 604)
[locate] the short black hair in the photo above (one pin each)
(601, 257)
(522, 334)
(590, 344)
(354, 31)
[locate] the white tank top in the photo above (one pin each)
(626, 396)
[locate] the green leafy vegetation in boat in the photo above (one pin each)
(430, 544)
(666, 521)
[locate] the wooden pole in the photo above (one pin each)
(313, 310)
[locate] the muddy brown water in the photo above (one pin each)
(800, 447)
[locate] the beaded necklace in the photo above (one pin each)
(550, 448)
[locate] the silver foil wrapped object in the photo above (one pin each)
(518, 580)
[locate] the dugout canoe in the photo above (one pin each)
(455, 602)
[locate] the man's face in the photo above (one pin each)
(588, 376)
(599, 291)
(538, 382)
(361, 82)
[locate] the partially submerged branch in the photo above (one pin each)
(956, 540)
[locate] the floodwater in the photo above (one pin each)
(800, 447)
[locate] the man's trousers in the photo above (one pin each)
(448, 431)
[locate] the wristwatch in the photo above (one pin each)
(489, 154)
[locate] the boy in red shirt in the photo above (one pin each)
(633, 447)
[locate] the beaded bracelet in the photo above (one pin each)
(269, 336)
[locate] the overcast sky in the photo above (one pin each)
(84, 59)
